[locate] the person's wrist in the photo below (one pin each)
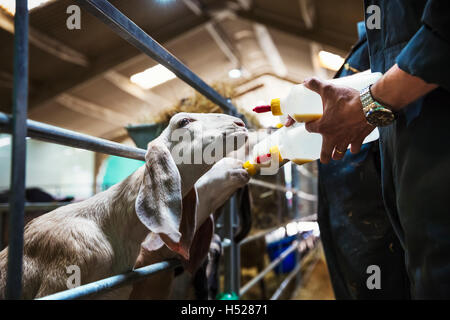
(384, 97)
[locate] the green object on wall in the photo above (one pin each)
(142, 134)
(117, 169)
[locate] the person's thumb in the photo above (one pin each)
(314, 84)
(312, 126)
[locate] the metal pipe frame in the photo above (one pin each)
(295, 245)
(269, 268)
(231, 252)
(20, 128)
(18, 156)
(33, 206)
(301, 194)
(114, 282)
(129, 31)
(263, 233)
(53, 134)
(286, 282)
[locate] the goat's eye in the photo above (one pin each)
(183, 122)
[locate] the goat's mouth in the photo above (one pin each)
(235, 130)
(236, 133)
(237, 138)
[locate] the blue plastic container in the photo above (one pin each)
(276, 248)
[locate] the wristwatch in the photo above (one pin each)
(376, 114)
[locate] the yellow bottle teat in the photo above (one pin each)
(250, 167)
(274, 151)
(275, 107)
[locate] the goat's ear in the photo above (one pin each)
(158, 204)
(188, 223)
(200, 246)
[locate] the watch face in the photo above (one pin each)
(380, 117)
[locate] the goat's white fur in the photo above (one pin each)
(102, 235)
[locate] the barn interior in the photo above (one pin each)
(88, 79)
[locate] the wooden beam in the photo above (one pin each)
(318, 70)
(112, 59)
(308, 13)
(46, 43)
(6, 80)
(215, 30)
(270, 50)
(93, 110)
(296, 28)
(147, 96)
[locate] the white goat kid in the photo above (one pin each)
(102, 235)
(213, 189)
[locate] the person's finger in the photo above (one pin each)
(339, 151)
(314, 84)
(312, 126)
(356, 145)
(289, 122)
(327, 149)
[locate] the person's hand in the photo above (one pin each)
(289, 121)
(343, 122)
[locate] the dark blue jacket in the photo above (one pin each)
(354, 227)
(415, 34)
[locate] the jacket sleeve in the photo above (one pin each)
(427, 54)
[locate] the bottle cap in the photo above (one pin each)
(275, 107)
(262, 109)
(274, 150)
(251, 169)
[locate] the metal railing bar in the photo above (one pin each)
(114, 282)
(129, 31)
(18, 150)
(53, 134)
(301, 194)
(290, 276)
(305, 172)
(269, 268)
(286, 282)
(31, 206)
(262, 233)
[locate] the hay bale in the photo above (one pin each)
(197, 103)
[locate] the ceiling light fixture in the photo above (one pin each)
(235, 73)
(330, 60)
(10, 5)
(152, 77)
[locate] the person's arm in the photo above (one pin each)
(343, 122)
(396, 88)
(421, 66)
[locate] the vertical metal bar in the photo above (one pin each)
(235, 248)
(2, 220)
(228, 231)
(232, 265)
(296, 212)
(18, 157)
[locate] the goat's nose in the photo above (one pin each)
(240, 123)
